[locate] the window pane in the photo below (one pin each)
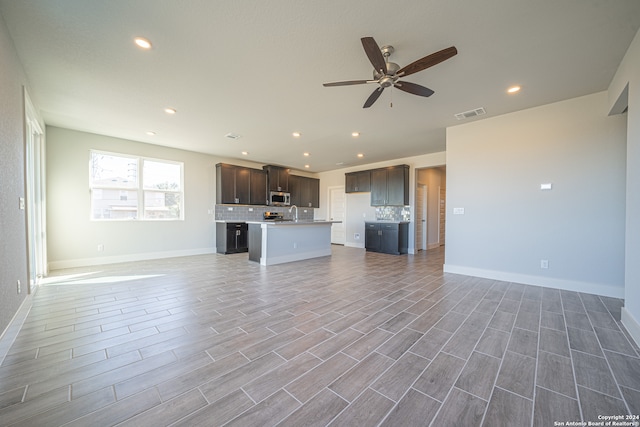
(114, 204)
(113, 171)
(161, 205)
(161, 176)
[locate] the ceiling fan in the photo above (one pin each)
(387, 74)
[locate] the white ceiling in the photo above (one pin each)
(256, 68)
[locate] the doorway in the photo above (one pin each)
(35, 196)
(337, 211)
(430, 207)
(421, 217)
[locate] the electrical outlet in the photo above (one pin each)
(19, 287)
(356, 236)
(544, 263)
(100, 247)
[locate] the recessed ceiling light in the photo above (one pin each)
(306, 154)
(355, 134)
(513, 89)
(142, 42)
(150, 133)
(245, 153)
(296, 134)
(307, 166)
(232, 135)
(170, 110)
(360, 155)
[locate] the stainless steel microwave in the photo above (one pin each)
(279, 198)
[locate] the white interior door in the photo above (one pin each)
(421, 217)
(337, 212)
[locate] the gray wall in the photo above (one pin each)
(624, 92)
(494, 171)
(13, 248)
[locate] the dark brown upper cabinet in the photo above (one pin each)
(278, 178)
(390, 186)
(305, 192)
(357, 182)
(240, 185)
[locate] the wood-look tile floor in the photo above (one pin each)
(356, 339)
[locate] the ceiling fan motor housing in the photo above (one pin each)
(392, 69)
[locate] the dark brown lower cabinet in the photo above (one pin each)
(387, 237)
(231, 237)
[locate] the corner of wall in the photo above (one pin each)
(631, 324)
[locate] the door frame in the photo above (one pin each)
(35, 201)
(330, 207)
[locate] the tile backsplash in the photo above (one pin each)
(255, 213)
(393, 213)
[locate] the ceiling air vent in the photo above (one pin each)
(471, 113)
(231, 135)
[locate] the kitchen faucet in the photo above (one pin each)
(291, 208)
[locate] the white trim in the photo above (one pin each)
(354, 245)
(9, 335)
(568, 285)
(631, 324)
(87, 262)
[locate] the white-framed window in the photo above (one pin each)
(125, 187)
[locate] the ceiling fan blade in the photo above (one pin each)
(348, 83)
(428, 61)
(374, 54)
(413, 88)
(373, 97)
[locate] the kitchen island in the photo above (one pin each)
(277, 242)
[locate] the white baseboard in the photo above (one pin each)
(549, 282)
(8, 336)
(87, 262)
(354, 245)
(632, 325)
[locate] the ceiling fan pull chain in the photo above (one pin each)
(391, 95)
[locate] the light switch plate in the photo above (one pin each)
(21, 203)
(458, 211)
(546, 186)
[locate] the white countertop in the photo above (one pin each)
(292, 222)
